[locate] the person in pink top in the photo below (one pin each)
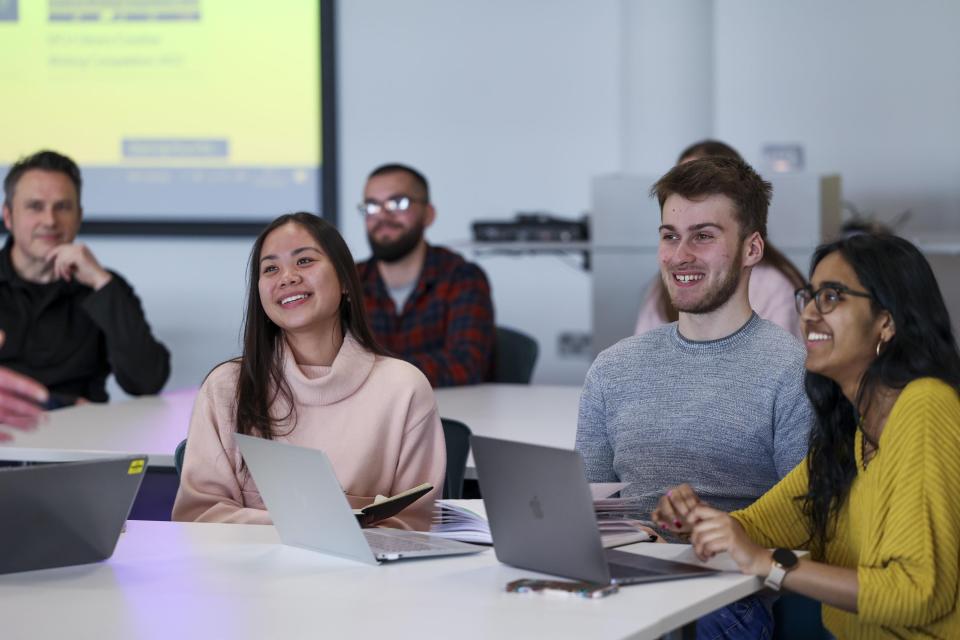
(772, 282)
(311, 375)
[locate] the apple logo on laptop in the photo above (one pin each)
(535, 508)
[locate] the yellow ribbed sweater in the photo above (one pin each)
(900, 526)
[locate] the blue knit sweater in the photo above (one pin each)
(728, 416)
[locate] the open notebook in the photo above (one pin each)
(466, 520)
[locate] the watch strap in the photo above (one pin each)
(775, 578)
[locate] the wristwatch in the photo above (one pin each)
(783, 561)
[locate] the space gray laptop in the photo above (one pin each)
(58, 515)
(309, 509)
(541, 517)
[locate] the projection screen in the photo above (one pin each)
(185, 116)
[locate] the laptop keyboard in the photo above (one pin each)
(386, 543)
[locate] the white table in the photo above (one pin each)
(170, 580)
(152, 425)
(539, 414)
(155, 425)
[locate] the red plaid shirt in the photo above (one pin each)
(446, 325)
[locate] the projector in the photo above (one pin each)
(532, 227)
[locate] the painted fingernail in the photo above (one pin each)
(677, 524)
(669, 494)
(663, 525)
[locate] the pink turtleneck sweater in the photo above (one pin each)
(375, 417)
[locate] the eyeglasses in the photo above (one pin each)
(826, 297)
(393, 206)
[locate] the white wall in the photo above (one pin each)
(512, 106)
(871, 88)
(666, 81)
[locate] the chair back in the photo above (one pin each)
(178, 456)
(457, 436)
(515, 356)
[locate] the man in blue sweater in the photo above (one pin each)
(716, 399)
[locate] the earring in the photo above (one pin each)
(879, 344)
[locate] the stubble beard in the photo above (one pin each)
(712, 299)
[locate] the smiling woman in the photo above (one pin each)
(878, 324)
(311, 375)
(300, 292)
(875, 498)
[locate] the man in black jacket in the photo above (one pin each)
(68, 321)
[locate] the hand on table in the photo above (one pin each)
(76, 261)
(714, 531)
(673, 508)
(20, 399)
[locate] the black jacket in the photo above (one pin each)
(70, 337)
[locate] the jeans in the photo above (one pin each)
(746, 619)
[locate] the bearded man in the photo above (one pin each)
(715, 400)
(425, 304)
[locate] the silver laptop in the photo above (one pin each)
(310, 510)
(58, 515)
(542, 518)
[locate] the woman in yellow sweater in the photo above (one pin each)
(875, 501)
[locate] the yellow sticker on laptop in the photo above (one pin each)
(136, 467)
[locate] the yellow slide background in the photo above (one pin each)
(248, 72)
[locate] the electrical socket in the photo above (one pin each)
(574, 344)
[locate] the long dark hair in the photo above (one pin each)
(261, 382)
(901, 282)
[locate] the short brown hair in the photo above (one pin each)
(708, 147)
(729, 177)
(45, 160)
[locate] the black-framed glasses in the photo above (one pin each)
(393, 206)
(826, 298)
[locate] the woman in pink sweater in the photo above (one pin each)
(311, 375)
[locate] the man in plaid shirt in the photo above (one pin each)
(425, 304)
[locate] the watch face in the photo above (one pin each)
(785, 558)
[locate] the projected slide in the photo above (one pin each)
(176, 110)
